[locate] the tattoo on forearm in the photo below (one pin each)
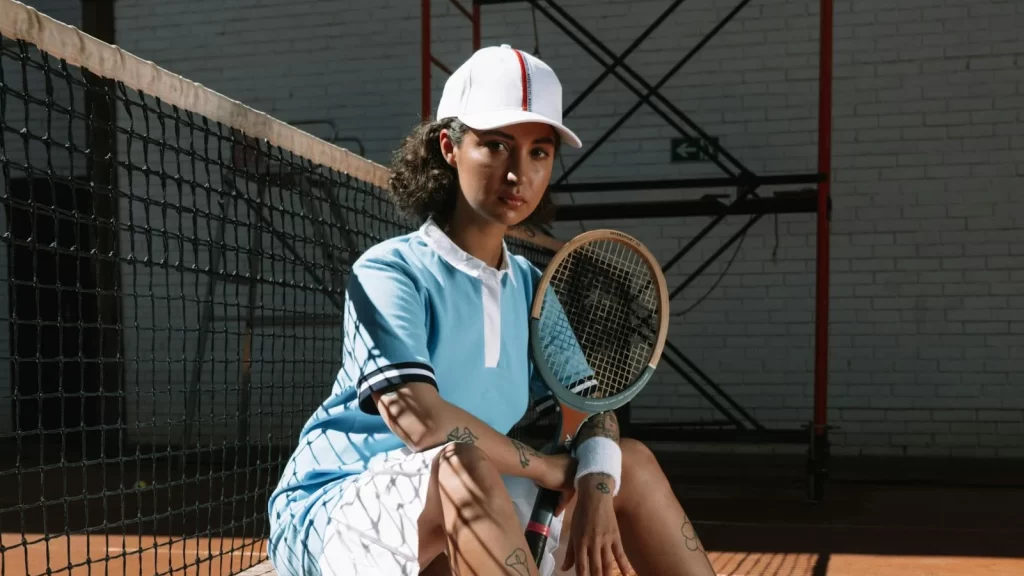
(516, 561)
(465, 435)
(524, 453)
(605, 425)
(603, 482)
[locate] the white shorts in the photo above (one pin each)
(373, 531)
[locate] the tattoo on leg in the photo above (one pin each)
(516, 561)
(465, 435)
(524, 453)
(690, 536)
(693, 542)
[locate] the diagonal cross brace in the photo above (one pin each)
(621, 58)
(619, 61)
(610, 70)
(650, 90)
(693, 276)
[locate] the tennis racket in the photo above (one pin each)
(597, 330)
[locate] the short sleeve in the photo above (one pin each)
(385, 330)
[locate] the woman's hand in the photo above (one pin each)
(560, 475)
(595, 545)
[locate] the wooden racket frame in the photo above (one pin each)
(573, 419)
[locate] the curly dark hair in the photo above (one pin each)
(424, 185)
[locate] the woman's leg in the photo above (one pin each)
(470, 513)
(658, 536)
(656, 533)
(439, 567)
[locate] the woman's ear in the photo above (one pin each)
(448, 148)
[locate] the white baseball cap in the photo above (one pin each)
(501, 86)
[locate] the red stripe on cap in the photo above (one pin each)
(526, 79)
(538, 528)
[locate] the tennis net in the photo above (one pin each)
(173, 275)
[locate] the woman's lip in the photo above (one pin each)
(513, 200)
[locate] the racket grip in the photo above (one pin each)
(538, 528)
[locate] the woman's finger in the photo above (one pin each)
(570, 556)
(620, 558)
(583, 562)
(563, 502)
(608, 559)
(596, 563)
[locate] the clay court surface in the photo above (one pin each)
(880, 518)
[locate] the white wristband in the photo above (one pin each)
(599, 454)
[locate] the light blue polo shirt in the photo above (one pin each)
(417, 309)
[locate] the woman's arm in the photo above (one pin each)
(418, 415)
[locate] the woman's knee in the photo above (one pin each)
(639, 466)
(636, 454)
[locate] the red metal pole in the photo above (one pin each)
(425, 60)
(824, 188)
(476, 25)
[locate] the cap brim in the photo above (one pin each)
(500, 119)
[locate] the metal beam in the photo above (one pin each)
(701, 432)
(669, 346)
(750, 181)
(802, 202)
(739, 234)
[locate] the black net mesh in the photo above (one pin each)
(172, 289)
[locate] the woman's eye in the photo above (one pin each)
(540, 153)
(496, 146)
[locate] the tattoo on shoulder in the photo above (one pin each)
(525, 452)
(464, 435)
(516, 561)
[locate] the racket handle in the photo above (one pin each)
(538, 528)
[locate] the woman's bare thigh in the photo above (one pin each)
(431, 527)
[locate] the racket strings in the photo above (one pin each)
(605, 308)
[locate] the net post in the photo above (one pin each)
(106, 440)
(245, 350)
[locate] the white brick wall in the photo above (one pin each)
(928, 254)
(929, 140)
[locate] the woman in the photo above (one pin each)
(406, 467)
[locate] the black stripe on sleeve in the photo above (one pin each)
(391, 376)
(585, 387)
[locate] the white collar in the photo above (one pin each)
(459, 258)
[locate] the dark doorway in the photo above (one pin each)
(52, 303)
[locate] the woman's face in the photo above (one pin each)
(503, 173)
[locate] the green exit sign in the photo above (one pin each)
(688, 149)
